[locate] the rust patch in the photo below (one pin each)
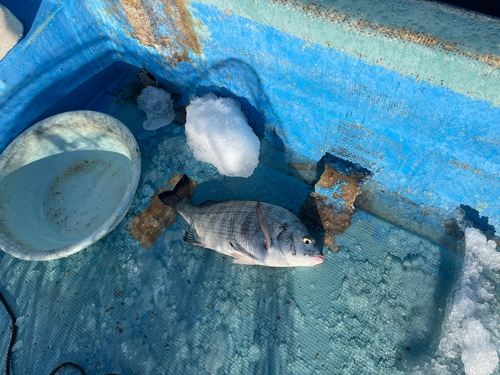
(467, 167)
(299, 166)
(328, 218)
(114, 11)
(404, 34)
(148, 225)
(139, 15)
(351, 185)
(317, 213)
(166, 24)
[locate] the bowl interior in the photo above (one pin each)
(62, 180)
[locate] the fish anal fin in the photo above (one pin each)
(191, 237)
(264, 224)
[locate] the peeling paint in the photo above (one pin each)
(350, 185)
(481, 206)
(115, 12)
(317, 213)
(167, 24)
(370, 28)
(149, 224)
(331, 206)
(467, 166)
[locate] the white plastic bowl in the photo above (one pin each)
(65, 183)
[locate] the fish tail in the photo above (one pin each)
(180, 193)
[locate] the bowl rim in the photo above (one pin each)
(21, 251)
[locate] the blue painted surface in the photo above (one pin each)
(425, 143)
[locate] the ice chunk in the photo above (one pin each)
(134, 270)
(218, 133)
(484, 250)
(254, 352)
(158, 107)
(17, 345)
(479, 355)
(218, 351)
(471, 323)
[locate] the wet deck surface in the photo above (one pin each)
(121, 307)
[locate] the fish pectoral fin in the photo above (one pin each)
(241, 256)
(191, 237)
(264, 224)
(248, 262)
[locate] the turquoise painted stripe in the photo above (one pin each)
(398, 50)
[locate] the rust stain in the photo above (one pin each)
(318, 212)
(148, 225)
(113, 10)
(139, 15)
(299, 166)
(166, 24)
(351, 185)
(404, 34)
(467, 167)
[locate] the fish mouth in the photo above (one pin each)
(318, 258)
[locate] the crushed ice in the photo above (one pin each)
(470, 337)
(158, 107)
(217, 133)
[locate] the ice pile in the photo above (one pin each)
(471, 330)
(217, 353)
(217, 133)
(158, 107)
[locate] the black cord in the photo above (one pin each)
(67, 364)
(13, 333)
(13, 330)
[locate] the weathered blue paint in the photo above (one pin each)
(424, 142)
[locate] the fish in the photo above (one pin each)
(253, 233)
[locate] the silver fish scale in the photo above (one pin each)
(235, 222)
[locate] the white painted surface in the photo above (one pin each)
(65, 183)
(11, 30)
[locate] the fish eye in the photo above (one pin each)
(307, 241)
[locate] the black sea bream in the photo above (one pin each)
(252, 233)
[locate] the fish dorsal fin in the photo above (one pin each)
(264, 224)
